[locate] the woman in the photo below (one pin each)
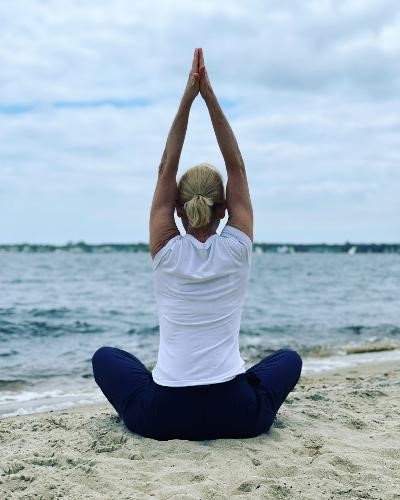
(199, 388)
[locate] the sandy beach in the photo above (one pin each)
(336, 436)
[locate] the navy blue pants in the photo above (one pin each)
(239, 408)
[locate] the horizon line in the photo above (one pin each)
(82, 242)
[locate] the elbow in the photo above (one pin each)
(163, 163)
(234, 162)
(236, 165)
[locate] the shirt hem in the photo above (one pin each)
(186, 383)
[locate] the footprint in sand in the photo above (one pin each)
(313, 444)
(58, 422)
(183, 477)
(247, 487)
(368, 394)
(344, 464)
(13, 467)
(280, 423)
(108, 441)
(356, 423)
(27, 478)
(81, 463)
(198, 478)
(49, 461)
(280, 491)
(317, 397)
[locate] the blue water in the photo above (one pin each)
(57, 309)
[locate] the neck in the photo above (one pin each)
(201, 233)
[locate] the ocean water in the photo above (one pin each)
(57, 309)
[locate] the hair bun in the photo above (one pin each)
(199, 189)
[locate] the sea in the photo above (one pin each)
(57, 309)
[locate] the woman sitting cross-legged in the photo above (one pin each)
(199, 388)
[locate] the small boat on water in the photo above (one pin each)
(284, 249)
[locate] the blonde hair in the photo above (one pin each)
(199, 189)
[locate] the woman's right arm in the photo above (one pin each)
(237, 190)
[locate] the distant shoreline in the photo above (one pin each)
(279, 248)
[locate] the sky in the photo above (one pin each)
(89, 90)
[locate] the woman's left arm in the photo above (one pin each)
(162, 222)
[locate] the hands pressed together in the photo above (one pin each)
(237, 192)
(198, 78)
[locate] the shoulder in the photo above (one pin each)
(238, 242)
(236, 234)
(166, 250)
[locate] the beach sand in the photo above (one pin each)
(336, 436)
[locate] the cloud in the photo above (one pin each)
(89, 90)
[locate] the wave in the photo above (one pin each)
(386, 329)
(147, 330)
(59, 312)
(31, 401)
(27, 329)
(252, 353)
(383, 329)
(374, 347)
(319, 365)
(7, 311)
(13, 385)
(6, 354)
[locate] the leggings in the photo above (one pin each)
(239, 408)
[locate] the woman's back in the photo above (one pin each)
(200, 291)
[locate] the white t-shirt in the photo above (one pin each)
(200, 291)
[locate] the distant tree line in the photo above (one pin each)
(82, 247)
(328, 248)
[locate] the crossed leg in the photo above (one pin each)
(120, 375)
(275, 376)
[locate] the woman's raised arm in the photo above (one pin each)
(237, 190)
(162, 222)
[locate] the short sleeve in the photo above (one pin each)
(239, 243)
(165, 250)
